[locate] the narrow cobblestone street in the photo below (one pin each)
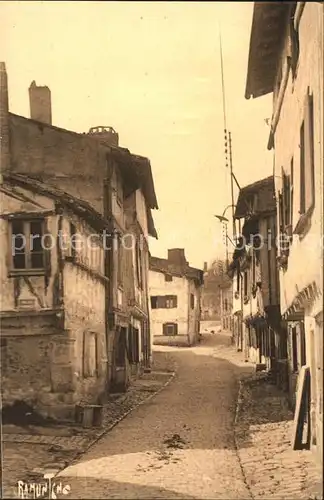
(200, 437)
(178, 445)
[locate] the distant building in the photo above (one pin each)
(175, 299)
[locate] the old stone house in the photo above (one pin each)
(286, 59)
(53, 289)
(94, 168)
(175, 299)
(255, 273)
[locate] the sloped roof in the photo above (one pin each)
(164, 266)
(137, 168)
(267, 32)
(265, 201)
(80, 207)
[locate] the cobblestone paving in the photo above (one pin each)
(178, 445)
(263, 435)
(29, 453)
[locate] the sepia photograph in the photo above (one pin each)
(162, 250)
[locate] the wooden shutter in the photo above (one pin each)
(309, 153)
(161, 302)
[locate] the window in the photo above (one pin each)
(164, 302)
(226, 304)
(138, 264)
(238, 281)
(171, 301)
(90, 356)
(119, 258)
(192, 301)
(302, 354)
(168, 277)
(154, 302)
(286, 200)
(250, 203)
(170, 329)
(28, 251)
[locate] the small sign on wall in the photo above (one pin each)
(27, 303)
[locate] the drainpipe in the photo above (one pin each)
(298, 13)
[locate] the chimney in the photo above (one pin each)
(4, 120)
(205, 267)
(105, 134)
(176, 257)
(40, 103)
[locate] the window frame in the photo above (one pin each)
(165, 327)
(27, 270)
(161, 301)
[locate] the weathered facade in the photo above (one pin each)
(255, 270)
(175, 299)
(91, 167)
(286, 59)
(53, 286)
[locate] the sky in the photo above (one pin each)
(152, 71)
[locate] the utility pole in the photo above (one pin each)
(227, 138)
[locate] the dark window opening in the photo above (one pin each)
(133, 346)
(168, 277)
(27, 244)
(245, 283)
(302, 345)
(154, 302)
(120, 351)
(73, 240)
(192, 301)
(170, 329)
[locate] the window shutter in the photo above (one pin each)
(161, 302)
(309, 153)
(302, 169)
(281, 221)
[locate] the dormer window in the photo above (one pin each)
(168, 277)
